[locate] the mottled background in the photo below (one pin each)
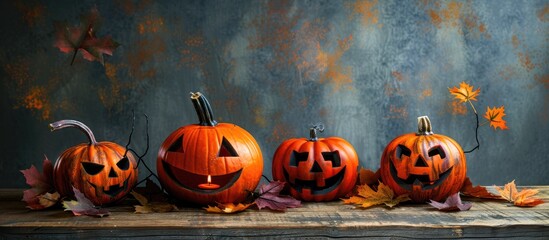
(364, 68)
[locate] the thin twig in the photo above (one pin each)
(476, 129)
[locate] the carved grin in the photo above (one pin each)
(113, 189)
(190, 181)
(330, 183)
(418, 180)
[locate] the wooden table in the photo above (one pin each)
(486, 219)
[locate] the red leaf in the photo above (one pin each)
(83, 206)
(269, 197)
(83, 38)
(478, 191)
(452, 203)
(41, 183)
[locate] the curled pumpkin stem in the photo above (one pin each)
(476, 129)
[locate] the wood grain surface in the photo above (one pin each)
(486, 219)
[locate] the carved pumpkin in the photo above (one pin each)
(103, 171)
(209, 162)
(424, 165)
(316, 169)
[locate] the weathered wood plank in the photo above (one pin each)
(315, 220)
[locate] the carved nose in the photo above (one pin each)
(420, 162)
(112, 173)
(316, 168)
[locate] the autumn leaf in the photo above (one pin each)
(524, 198)
(83, 38)
(477, 191)
(465, 92)
(228, 208)
(269, 197)
(151, 207)
(41, 184)
(495, 116)
(367, 197)
(368, 177)
(83, 206)
(452, 203)
(152, 192)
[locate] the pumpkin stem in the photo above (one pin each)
(424, 126)
(313, 134)
(203, 109)
(73, 123)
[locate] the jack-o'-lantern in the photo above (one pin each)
(316, 169)
(209, 162)
(103, 171)
(425, 165)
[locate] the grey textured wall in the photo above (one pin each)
(366, 69)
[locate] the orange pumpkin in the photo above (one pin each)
(103, 171)
(424, 165)
(317, 169)
(209, 162)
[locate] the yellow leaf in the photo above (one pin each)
(49, 199)
(150, 207)
(495, 116)
(524, 198)
(367, 197)
(465, 92)
(228, 208)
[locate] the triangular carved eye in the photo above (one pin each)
(226, 149)
(92, 168)
(124, 163)
(298, 157)
(177, 146)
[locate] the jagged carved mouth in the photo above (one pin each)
(113, 189)
(190, 181)
(419, 180)
(329, 184)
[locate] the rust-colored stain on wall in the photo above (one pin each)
(456, 108)
(448, 15)
(543, 14)
(151, 25)
(397, 112)
(334, 72)
(367, 9)
(275, 32)
(32, 13)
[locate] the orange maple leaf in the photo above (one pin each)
(524, 198)
(465, 92)
(495, 116)
(228, 208)
(367, 197)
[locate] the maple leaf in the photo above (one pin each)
(83, 206)
(478, 191)
(150, 207)
(368, 177)
(269, 197)
(228, 208)
(41, 184)
(465, 92)
(367, 197)
(524, 198)
(495, 116)
(452, 203)
(83, 38)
